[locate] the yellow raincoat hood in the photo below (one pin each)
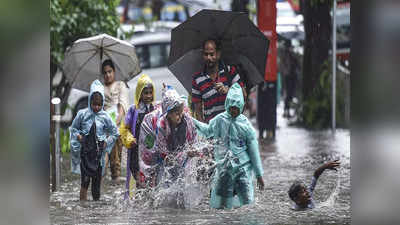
(143, 81)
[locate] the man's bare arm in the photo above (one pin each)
(198, 111)
(244, 93)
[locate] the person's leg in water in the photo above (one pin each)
(85, 181)
(261, 133)
(134, 166)
(224, 202)
(242, 187)
(286, 109)
(96, 185)
(115, 161)
(224, 187)
(291, 84)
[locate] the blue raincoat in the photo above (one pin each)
(236, 154)
(106, 130)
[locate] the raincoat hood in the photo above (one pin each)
(96, 86)
(170, 99)
(234, 98)
(143, 82)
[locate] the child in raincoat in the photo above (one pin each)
(130, 127)
(163, 134)
(92, 135)
(236, 154)
(148, 161)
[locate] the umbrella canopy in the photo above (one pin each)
(82, 63)
(241, 43)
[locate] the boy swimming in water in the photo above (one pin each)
(301, 195)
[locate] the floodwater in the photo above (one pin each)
(294, 155)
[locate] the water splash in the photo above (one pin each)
(330, 202)
(184, 181)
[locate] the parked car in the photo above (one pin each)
(153, 51)
(140, 28)
(287, 20)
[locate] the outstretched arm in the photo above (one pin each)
(206, 130)
(329, 165)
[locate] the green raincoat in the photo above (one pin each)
(236, 153)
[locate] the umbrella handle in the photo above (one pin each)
(101, 59)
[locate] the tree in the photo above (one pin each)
(316, 83)
(71, 20)
(318, 30)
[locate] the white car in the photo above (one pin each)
(154, 26)
(153, 52)
(286, 19)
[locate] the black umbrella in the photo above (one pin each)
(241, 41)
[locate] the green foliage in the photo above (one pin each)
(74, 19)
(316, 111)
(64, 141)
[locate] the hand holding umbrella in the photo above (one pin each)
(241, 43)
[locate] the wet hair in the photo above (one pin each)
(148, 85)
(176, 108)
(96, 95)
(216, 42)
(295, 189)
(107, 62)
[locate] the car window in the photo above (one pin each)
(168, 48)
(157, 55)
(153, 55)
(143, 55)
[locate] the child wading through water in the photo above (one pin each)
(236, 154)
(163, 134)
(130, 128)
(92, 135)
(301, 195)
(175, 130)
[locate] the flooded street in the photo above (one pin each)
(294, 155)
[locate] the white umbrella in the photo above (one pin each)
(82, 63)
